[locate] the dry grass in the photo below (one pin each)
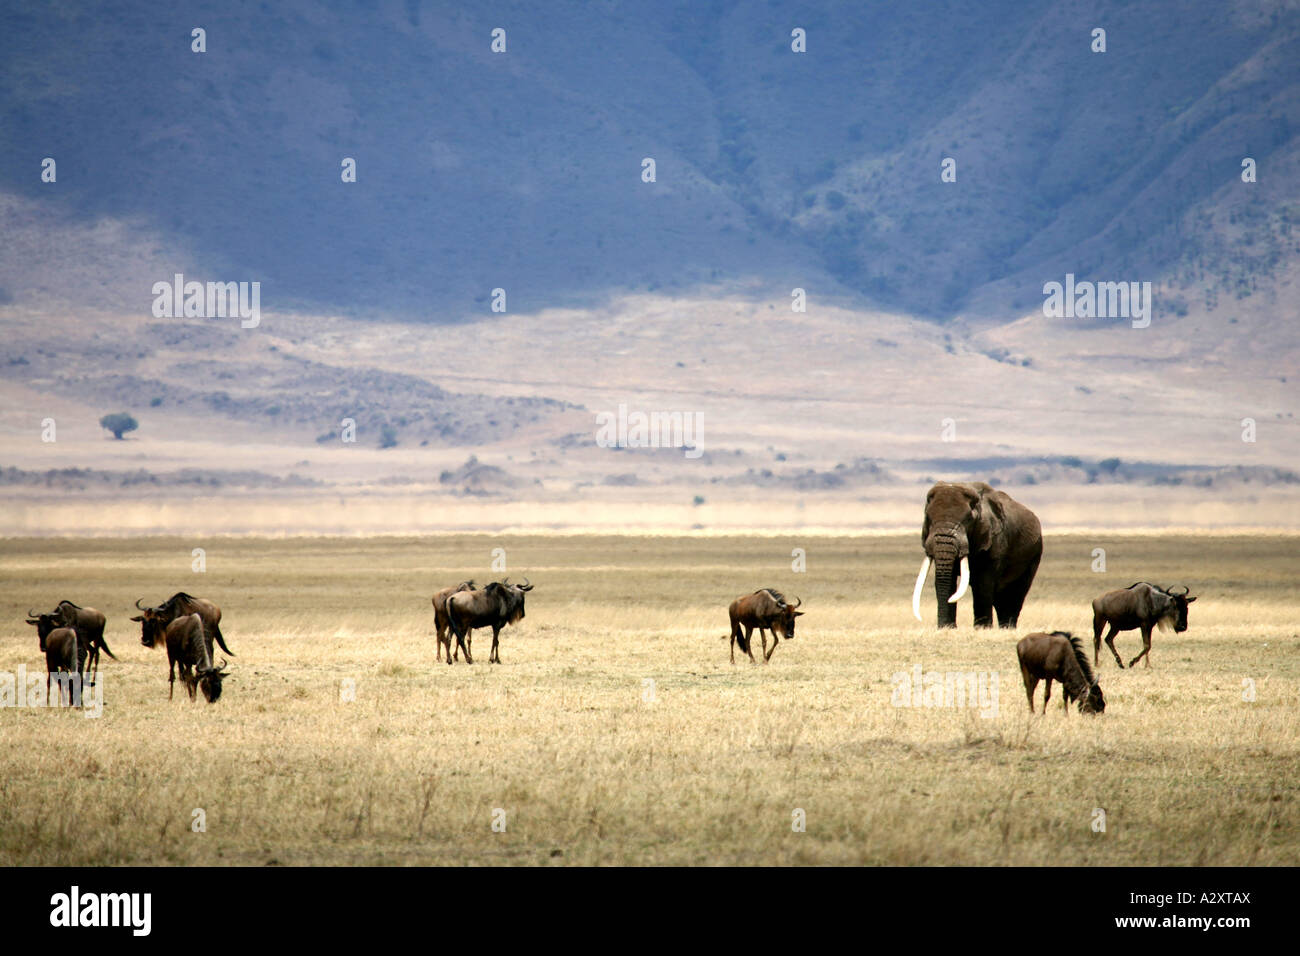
(588, 772)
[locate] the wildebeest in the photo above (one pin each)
(44, 623)
(440, 616)
(89, 624)
(767, 610)
(180, 604)
(64, 653)
(498, 604)
(1059, 656)
(1140, 605)
(188, 649)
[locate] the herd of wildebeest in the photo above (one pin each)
(979, 541)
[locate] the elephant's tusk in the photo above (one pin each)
(920, 583)
(962, 583)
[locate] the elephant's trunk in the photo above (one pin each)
(947, 553)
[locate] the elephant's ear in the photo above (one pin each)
(992, 517)
(925, 525)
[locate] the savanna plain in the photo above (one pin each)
(617, 732)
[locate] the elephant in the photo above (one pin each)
(995, 543)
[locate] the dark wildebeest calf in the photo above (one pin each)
(181, 604)
(440, 616)
(64, 654)
(89, 624)
(187, 648)
(1059, 656)
(766, 610)
(1139, 605)
(498, 604)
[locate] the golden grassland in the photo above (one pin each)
(588, 770)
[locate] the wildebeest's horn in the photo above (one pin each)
(137, 605)
(797, 602)
(525, 586)
(1176, 593)
(32, 614)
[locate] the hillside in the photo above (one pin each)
(522, 170)
(801, 422)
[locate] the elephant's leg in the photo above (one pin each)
(1006, 617)
(1110, 642)
(1012, 598)
(1146, 647)
(983, 582)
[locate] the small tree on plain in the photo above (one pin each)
(119, 423)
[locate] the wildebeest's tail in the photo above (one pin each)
(739, 637)
(450, 608)
(216, 632)
(103, 646)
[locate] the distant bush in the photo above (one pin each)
(387, 436)
(119, 423)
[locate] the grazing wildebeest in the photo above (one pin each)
(498, 604)
(188, 649)
(180, 604)
(767, 610)
(64, 653)
(440, 616)
(1059, 656)
(1139, 605)
(90, 629)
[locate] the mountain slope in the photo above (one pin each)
(522, 170)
